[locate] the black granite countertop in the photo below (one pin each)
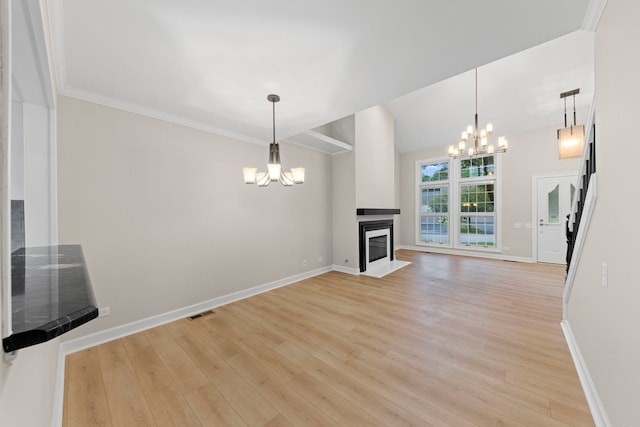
(51, 294)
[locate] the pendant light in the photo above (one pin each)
(274, 168)
(570, 138)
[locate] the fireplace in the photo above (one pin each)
(376, 243)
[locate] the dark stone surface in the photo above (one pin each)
(51, 294)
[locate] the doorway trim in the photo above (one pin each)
(534, 207)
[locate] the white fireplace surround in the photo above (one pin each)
(387, 258)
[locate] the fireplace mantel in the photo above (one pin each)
(377, 211)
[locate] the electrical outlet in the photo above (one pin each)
(517, 225)
(320, 259)
(104, 311)
(604, 275)
(304, 262)
(506, 248)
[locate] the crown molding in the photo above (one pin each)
(593, 14)
(154, 114)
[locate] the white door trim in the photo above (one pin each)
(534, 207)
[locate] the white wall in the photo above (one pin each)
(605, 321)
(27, 386)
(165, 219)
(33, 174)
(375, 158)
(530, 153)
(39, 177)
(17, 152)
(363, 178)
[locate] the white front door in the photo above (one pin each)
(555, 196)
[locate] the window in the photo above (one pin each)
(477, 220)
(434, 203)
(478, 166)
(477, 197)
(458, 203)
(435, 172)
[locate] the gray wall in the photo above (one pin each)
(605, 321)
(165, 219)
(345, 226)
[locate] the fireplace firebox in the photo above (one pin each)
(376, 242)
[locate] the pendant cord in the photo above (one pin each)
(273, 104)
(475, 131)
(476, 94)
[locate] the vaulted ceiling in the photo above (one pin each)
(210, 63)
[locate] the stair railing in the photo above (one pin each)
(578, 220)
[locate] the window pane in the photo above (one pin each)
(477, 198)
(477, 231)
(573, 193)
(554, 205)
(434, 199)
(435, 172)
(477, 166)
(434, 229)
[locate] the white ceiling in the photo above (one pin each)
(211, 63)
(517, 93)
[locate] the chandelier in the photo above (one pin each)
(274, 169)
(480, 138)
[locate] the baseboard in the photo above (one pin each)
(447, 251)
(593, 400)
(348, 270)
(111, 334)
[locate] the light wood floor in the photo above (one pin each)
(446, 341)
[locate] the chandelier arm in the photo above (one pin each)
(273, 104)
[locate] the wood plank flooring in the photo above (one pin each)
(446, 341)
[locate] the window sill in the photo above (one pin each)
(460, 248)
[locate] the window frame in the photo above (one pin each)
(420, 185)
(454, 211)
